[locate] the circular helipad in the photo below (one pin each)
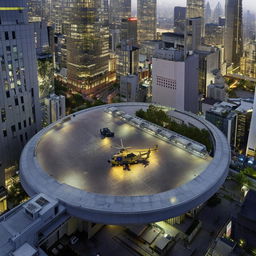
(68, 160)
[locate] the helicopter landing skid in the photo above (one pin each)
(126, 167)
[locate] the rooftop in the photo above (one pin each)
(77, 155)
(68, 160)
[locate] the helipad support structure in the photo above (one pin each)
(68, 161)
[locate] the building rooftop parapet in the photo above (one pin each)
(169, 54)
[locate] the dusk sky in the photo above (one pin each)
(247, 4)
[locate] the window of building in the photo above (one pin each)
(3, 114)
(6, 35)
(16, 101)
(25, 123)
(13, 35)
(4, 133)
(19, 125)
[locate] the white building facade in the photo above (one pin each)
(55, 108)
(175, 80)
(19, 101)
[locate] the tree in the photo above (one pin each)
(242, 179)
(156, 115)
(16, 194)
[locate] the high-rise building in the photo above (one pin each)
(128, 51)
(209, 64)
(233, 41)
(194, 24)
(208, 13)
(119, 9)
(195, 9)
(214, 34)
(244, 116)
(39, 10)
(249, 26)
(146, 13)
(129, 30)
(179, 19)
(195, 27)
(251, 144)
(84, 25)
(217, 12)
(223, 116)
(248, 61)
(19, 98)
(175, 80)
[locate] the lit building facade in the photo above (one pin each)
(214, 34)
(195, 8)
(233, 40)
(119, 9)
(146, 13)
(19, 98)
(251, 144)
(128, 51)
(248, 61)
(85, 27)
(39, 10)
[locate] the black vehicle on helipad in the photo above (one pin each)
(105, 132)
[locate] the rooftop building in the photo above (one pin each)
(24, 227)
(19, 96)
(175, 80)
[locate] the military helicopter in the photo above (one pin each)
(127, 156)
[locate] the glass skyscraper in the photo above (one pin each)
(119, 9)
(233, 40)
(146, 12)
(84, 24)
(195, 9)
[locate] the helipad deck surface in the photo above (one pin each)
(74, 153)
